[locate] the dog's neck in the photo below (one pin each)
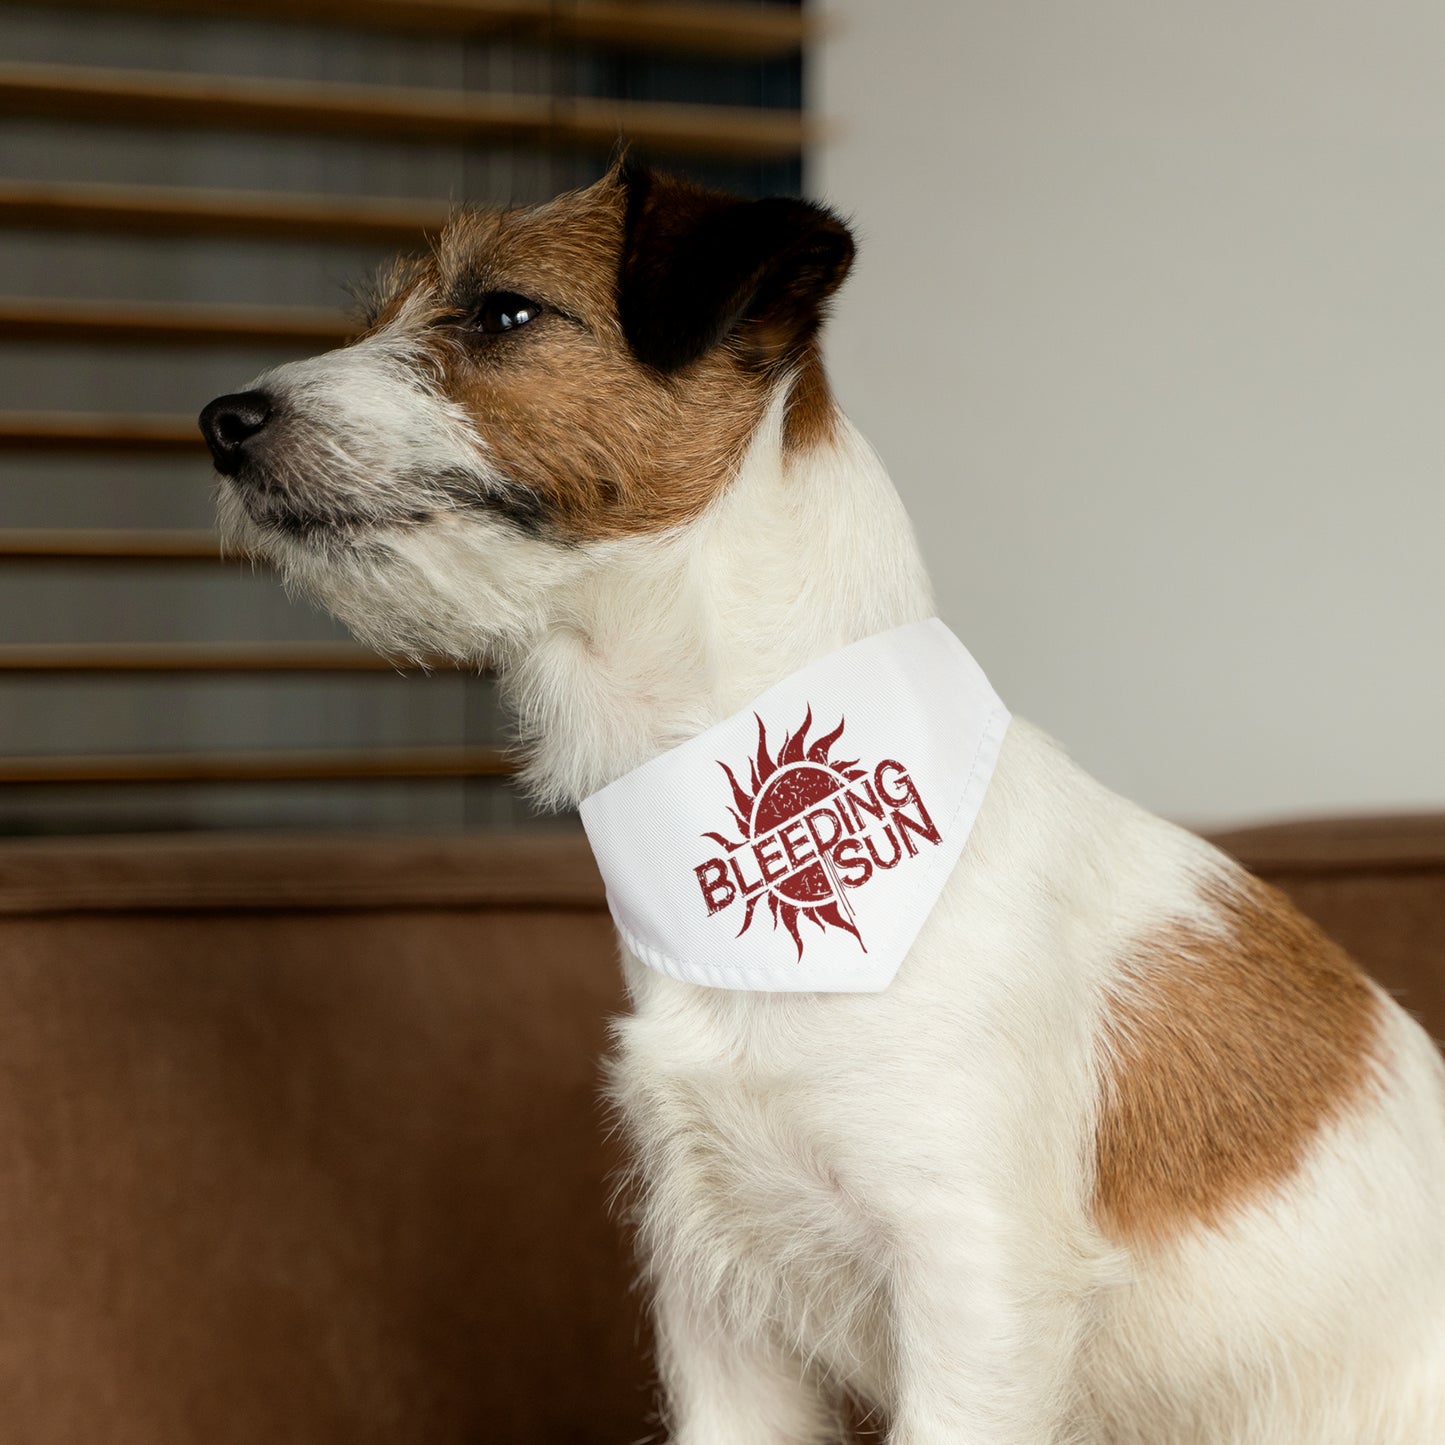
(804, 553)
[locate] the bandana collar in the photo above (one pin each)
(800, 845)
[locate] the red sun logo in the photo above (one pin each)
(782, 790)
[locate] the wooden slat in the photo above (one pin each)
(218, 102)
(171, 323)
(134, 657)
(711, 29)
(742, 31)
(75, 544)
(81, 431)
(177, 211)
(259, 767)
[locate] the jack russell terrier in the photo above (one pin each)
(957, 1086)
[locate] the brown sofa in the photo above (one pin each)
(301, 1138)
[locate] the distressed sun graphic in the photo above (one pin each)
(780, 789)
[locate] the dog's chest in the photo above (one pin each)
(746, 1183)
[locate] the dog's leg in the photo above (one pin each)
(983, 1349)
(723, 1389)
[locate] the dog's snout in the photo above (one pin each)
(229, 422)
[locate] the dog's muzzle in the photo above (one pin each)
(230, 422)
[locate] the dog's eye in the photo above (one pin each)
(504, 311)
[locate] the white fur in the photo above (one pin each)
(890, 1194)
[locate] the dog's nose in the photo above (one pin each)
(229, 422)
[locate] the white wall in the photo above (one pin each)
(1149, 323)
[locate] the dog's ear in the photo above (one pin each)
(699, 266)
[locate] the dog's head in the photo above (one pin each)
(547, 383)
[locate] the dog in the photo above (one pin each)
(1127, 1153)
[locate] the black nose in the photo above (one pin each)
(229, 422)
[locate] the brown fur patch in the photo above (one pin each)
(812, 413)
(1226, 1053)
(605, 447)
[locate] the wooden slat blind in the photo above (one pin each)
(110, 96)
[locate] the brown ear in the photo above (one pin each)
(699, 266)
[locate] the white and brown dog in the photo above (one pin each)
(1128, 1152)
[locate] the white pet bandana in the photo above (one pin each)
(801, 844)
